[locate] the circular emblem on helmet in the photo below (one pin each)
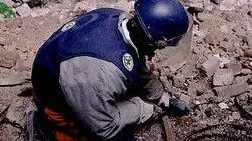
(128, 61)
(68, 26)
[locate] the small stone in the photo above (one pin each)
(108, 1)
(24, 10)
(208, 111)
(81, 6)
(124, 5)
(2, 41)
(250, 64)
(215, 1)
(236, 115)
(224, 61)
(227, 46)
(26, 1)
(242, 98)
(8, 59)
(249, 37)
(211, 39)
(223, 77)
(232, 17)
(206, 17)
(185, 98)
(248, 53)
(179, 81)
(196, 102)
(211, 65)
(223, 105)
(246, 71)
(196, 7)
(224, 28)
(1, 17)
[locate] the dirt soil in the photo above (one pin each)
(215, 77)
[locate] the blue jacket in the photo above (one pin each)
(87, 68)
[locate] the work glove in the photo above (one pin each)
(148, 111)
(174, 106)
(178, 107)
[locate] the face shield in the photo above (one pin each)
(176, 50)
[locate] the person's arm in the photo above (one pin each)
(150, 87)
(90, 86)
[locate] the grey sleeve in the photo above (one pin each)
(149, 87)
(90, 86)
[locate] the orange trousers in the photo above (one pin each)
(59, 120)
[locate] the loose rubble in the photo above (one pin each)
(216, 77)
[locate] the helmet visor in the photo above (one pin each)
(179, 41)
(175, 50)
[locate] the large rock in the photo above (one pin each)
(16, 112)
(196, 6)
(40, 12)
(232, 90)
(235, 65)
(8, 59)
(211, 65)
(13, 81)
(212, 39)
(227, 46)
(10, 133)
(24, 10)
(199, 88)
(223, 77)
(208, 5)
(227, 5)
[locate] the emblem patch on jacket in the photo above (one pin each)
(68, 26)
(128, 61)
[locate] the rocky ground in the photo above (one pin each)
(216, 75)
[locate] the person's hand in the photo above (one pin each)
(157, 112)
(178, 107)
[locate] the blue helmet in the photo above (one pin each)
(164, 21)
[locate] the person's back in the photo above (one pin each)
(88, 44)
(89, 76)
